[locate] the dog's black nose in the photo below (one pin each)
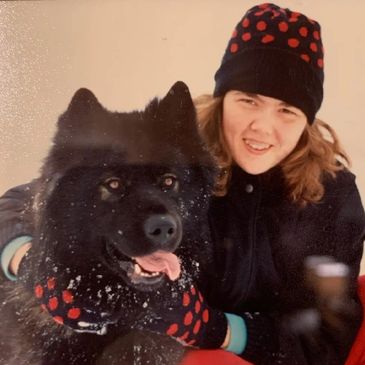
(161, 229)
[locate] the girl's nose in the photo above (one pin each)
(263, 122)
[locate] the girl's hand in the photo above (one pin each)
(186, 317)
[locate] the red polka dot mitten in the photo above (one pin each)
(187, 317)
(70, 309)
(85, 301)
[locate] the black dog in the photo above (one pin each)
(121, 222)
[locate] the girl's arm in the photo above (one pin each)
(16, 227)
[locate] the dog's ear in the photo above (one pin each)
(82, 115)
(179, 91)
(176, 112)
(178, 101)
(82, 103)
(83, 108)
(174, 123)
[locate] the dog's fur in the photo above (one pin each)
(76, 217)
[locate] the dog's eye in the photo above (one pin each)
(169, 182)
(113, 183)
(112, 188)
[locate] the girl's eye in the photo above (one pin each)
(288, 111)
(248, 101)
(169, 182)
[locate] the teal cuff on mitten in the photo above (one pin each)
(238, 338)
(8, 253)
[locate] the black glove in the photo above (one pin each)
(83, 301)
(181, 312)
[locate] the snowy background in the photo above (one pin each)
(127, 51)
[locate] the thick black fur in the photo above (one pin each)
(81, 225)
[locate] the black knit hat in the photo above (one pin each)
(278, 53)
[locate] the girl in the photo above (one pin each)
(284, 195)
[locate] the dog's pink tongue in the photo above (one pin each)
(161, 261)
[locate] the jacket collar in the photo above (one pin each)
(269, 182)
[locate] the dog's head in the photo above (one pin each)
(127, 191)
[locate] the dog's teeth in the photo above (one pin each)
(137, 269)
(84, 324)
(148, 275)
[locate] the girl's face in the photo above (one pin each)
(260, 131)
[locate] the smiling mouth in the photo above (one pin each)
(146, 271)
(130, 270)
(256, 146)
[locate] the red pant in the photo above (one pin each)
(357, 353)
(212, 357)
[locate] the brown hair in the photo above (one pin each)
(317, 153)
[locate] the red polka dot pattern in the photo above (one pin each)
(38, 291)
(280, 28)
(56, 303)
(234, 47)
(293, 42)
(267, 38)
(195, 318)
(197, 306)
(245, 23)
(67, 296)
(53, 303)
(313, 47)
(246, 36)
(186, 299)
(63, 305)
(205, 316)
(261, 25)
(305, 57)
(51, 283)
(197, 326)
(185, 336)
(283, 27)
(58, 319)
(188, 319)
(74, 313)
(172, 329)
(303, 31)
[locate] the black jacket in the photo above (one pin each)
(260, 242)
